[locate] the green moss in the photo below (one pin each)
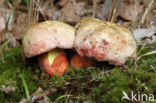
(11, 68)
(96, 85)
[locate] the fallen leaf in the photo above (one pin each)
(73, 12)
(129, 12)
(63, 3)
(21, 25)
(7, 89)
(147, 35)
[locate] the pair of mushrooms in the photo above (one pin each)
(103, 41)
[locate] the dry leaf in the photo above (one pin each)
(7, 89)
(129, 12)
(73, 12)
(147, 35)
(21, 25)
(63, 3)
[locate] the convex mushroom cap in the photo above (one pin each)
(44, 36)
(104, 41)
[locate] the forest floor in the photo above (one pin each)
(24, 81)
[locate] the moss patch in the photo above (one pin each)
(103, 84)
(12, 66)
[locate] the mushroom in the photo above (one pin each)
(104, 41)
(54, 62)
(42, 39)
(81, 62)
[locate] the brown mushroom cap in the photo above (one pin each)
(44, 36)
(104, 41)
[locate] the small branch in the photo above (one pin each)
(100, 75)
(146, 54)
(146, 11)
(94, 7)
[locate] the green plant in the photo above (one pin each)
(6, 43)
(3, 46)
(103, 84)
(61, 97)
(26, 88)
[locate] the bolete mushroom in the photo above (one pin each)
(81, 62)
(42, 39)
(54, 62)
(104, 41)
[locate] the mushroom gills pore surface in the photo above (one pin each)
(104, 41)
(54, 62)
(77, 61)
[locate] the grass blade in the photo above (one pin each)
(26, 88)
(59, 98)
(6, 43)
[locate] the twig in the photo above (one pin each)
(146, 54)
(94, 7)
(110, 12)
(153, 68)
(146, 11)
(114, 10)
(102, 73)
(39, 9)
(80, 77)
(138, 54)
